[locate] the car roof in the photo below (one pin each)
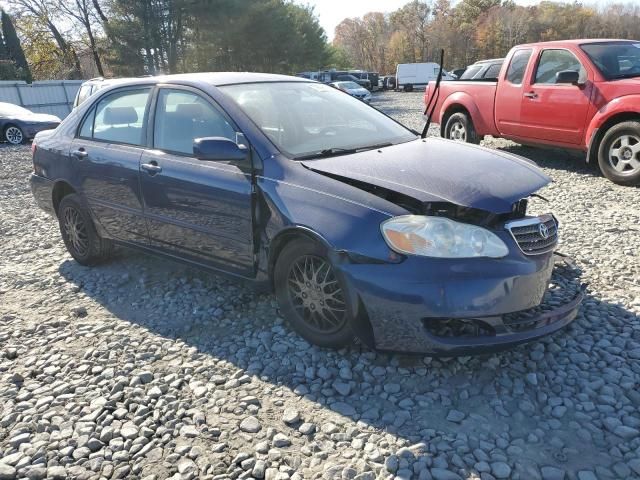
(580, 41)
(216, 78)
(491, 60)
(208, 78)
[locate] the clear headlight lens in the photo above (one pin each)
(441, 237)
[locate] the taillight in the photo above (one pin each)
(33, 148)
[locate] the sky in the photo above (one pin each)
(332, 12)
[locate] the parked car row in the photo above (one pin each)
(368, 80)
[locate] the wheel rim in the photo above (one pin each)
(316, 295)
(458, 132)
(624, 155)
(14, 135)
(76, 231)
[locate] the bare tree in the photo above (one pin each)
(82, 12)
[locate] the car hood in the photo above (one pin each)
(434, 170)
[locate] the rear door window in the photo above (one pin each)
(518, 66)
(554, 61)
(120, 117)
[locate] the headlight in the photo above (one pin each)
(441, 237)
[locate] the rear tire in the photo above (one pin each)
(619, 154)
(14, 135)
(408, 88)
(459, 128)
(311, 295)
(79, 233)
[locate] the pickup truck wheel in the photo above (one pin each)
(619, 153)
(79, 234)
(459, 128)
(311, 296)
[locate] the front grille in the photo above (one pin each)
(529, 234)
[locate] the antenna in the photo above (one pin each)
(433, 101)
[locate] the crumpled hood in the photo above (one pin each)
(434, 170)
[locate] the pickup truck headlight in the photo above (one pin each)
(440, 237)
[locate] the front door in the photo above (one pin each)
(200, 210)
(509, 94)
(106, 153)
(551, 111)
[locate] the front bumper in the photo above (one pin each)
(457, 308)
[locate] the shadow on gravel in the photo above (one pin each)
(536, 402)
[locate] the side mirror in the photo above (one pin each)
(568, 76)
(218, 149)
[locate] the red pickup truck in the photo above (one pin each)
(577, 94)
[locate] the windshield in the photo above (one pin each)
(348, 85)
(11, 109)
(615, 59)
(304, 118)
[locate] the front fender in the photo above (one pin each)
(629, 104)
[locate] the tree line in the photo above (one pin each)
(473, 30)
(84, 38)
(72, 39)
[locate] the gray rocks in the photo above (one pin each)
(291, 416)
(455, 416)
(141, 368)
(250, 425)
(7, 472)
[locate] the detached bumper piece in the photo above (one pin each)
(454, 336)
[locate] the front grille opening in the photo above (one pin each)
(535, 236)
(456, 327)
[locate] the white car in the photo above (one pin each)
(353, 89)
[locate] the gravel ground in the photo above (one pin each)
(142, 368)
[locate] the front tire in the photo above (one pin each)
(619, 154)
(79, 233)
(459, 128)
(311, 296)
(14, 135)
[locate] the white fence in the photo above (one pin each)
(48, 96)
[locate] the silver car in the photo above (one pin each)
(353, 89)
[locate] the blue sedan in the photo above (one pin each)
(359, 226)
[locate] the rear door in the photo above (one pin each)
(555, 112)
(106, 153)
(510, 93)
(199, 210)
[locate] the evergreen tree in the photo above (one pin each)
(13, 47)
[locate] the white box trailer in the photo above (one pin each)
(418, 75)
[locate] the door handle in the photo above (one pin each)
(531, 95)
(80, 154)
(152, 167)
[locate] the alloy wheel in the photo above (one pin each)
(624, 155)
(14, 135)
(458, 132)
(76, 231)
(316, 295)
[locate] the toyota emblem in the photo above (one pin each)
(543, 230)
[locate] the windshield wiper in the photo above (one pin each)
(334, 151)
(327, 152)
